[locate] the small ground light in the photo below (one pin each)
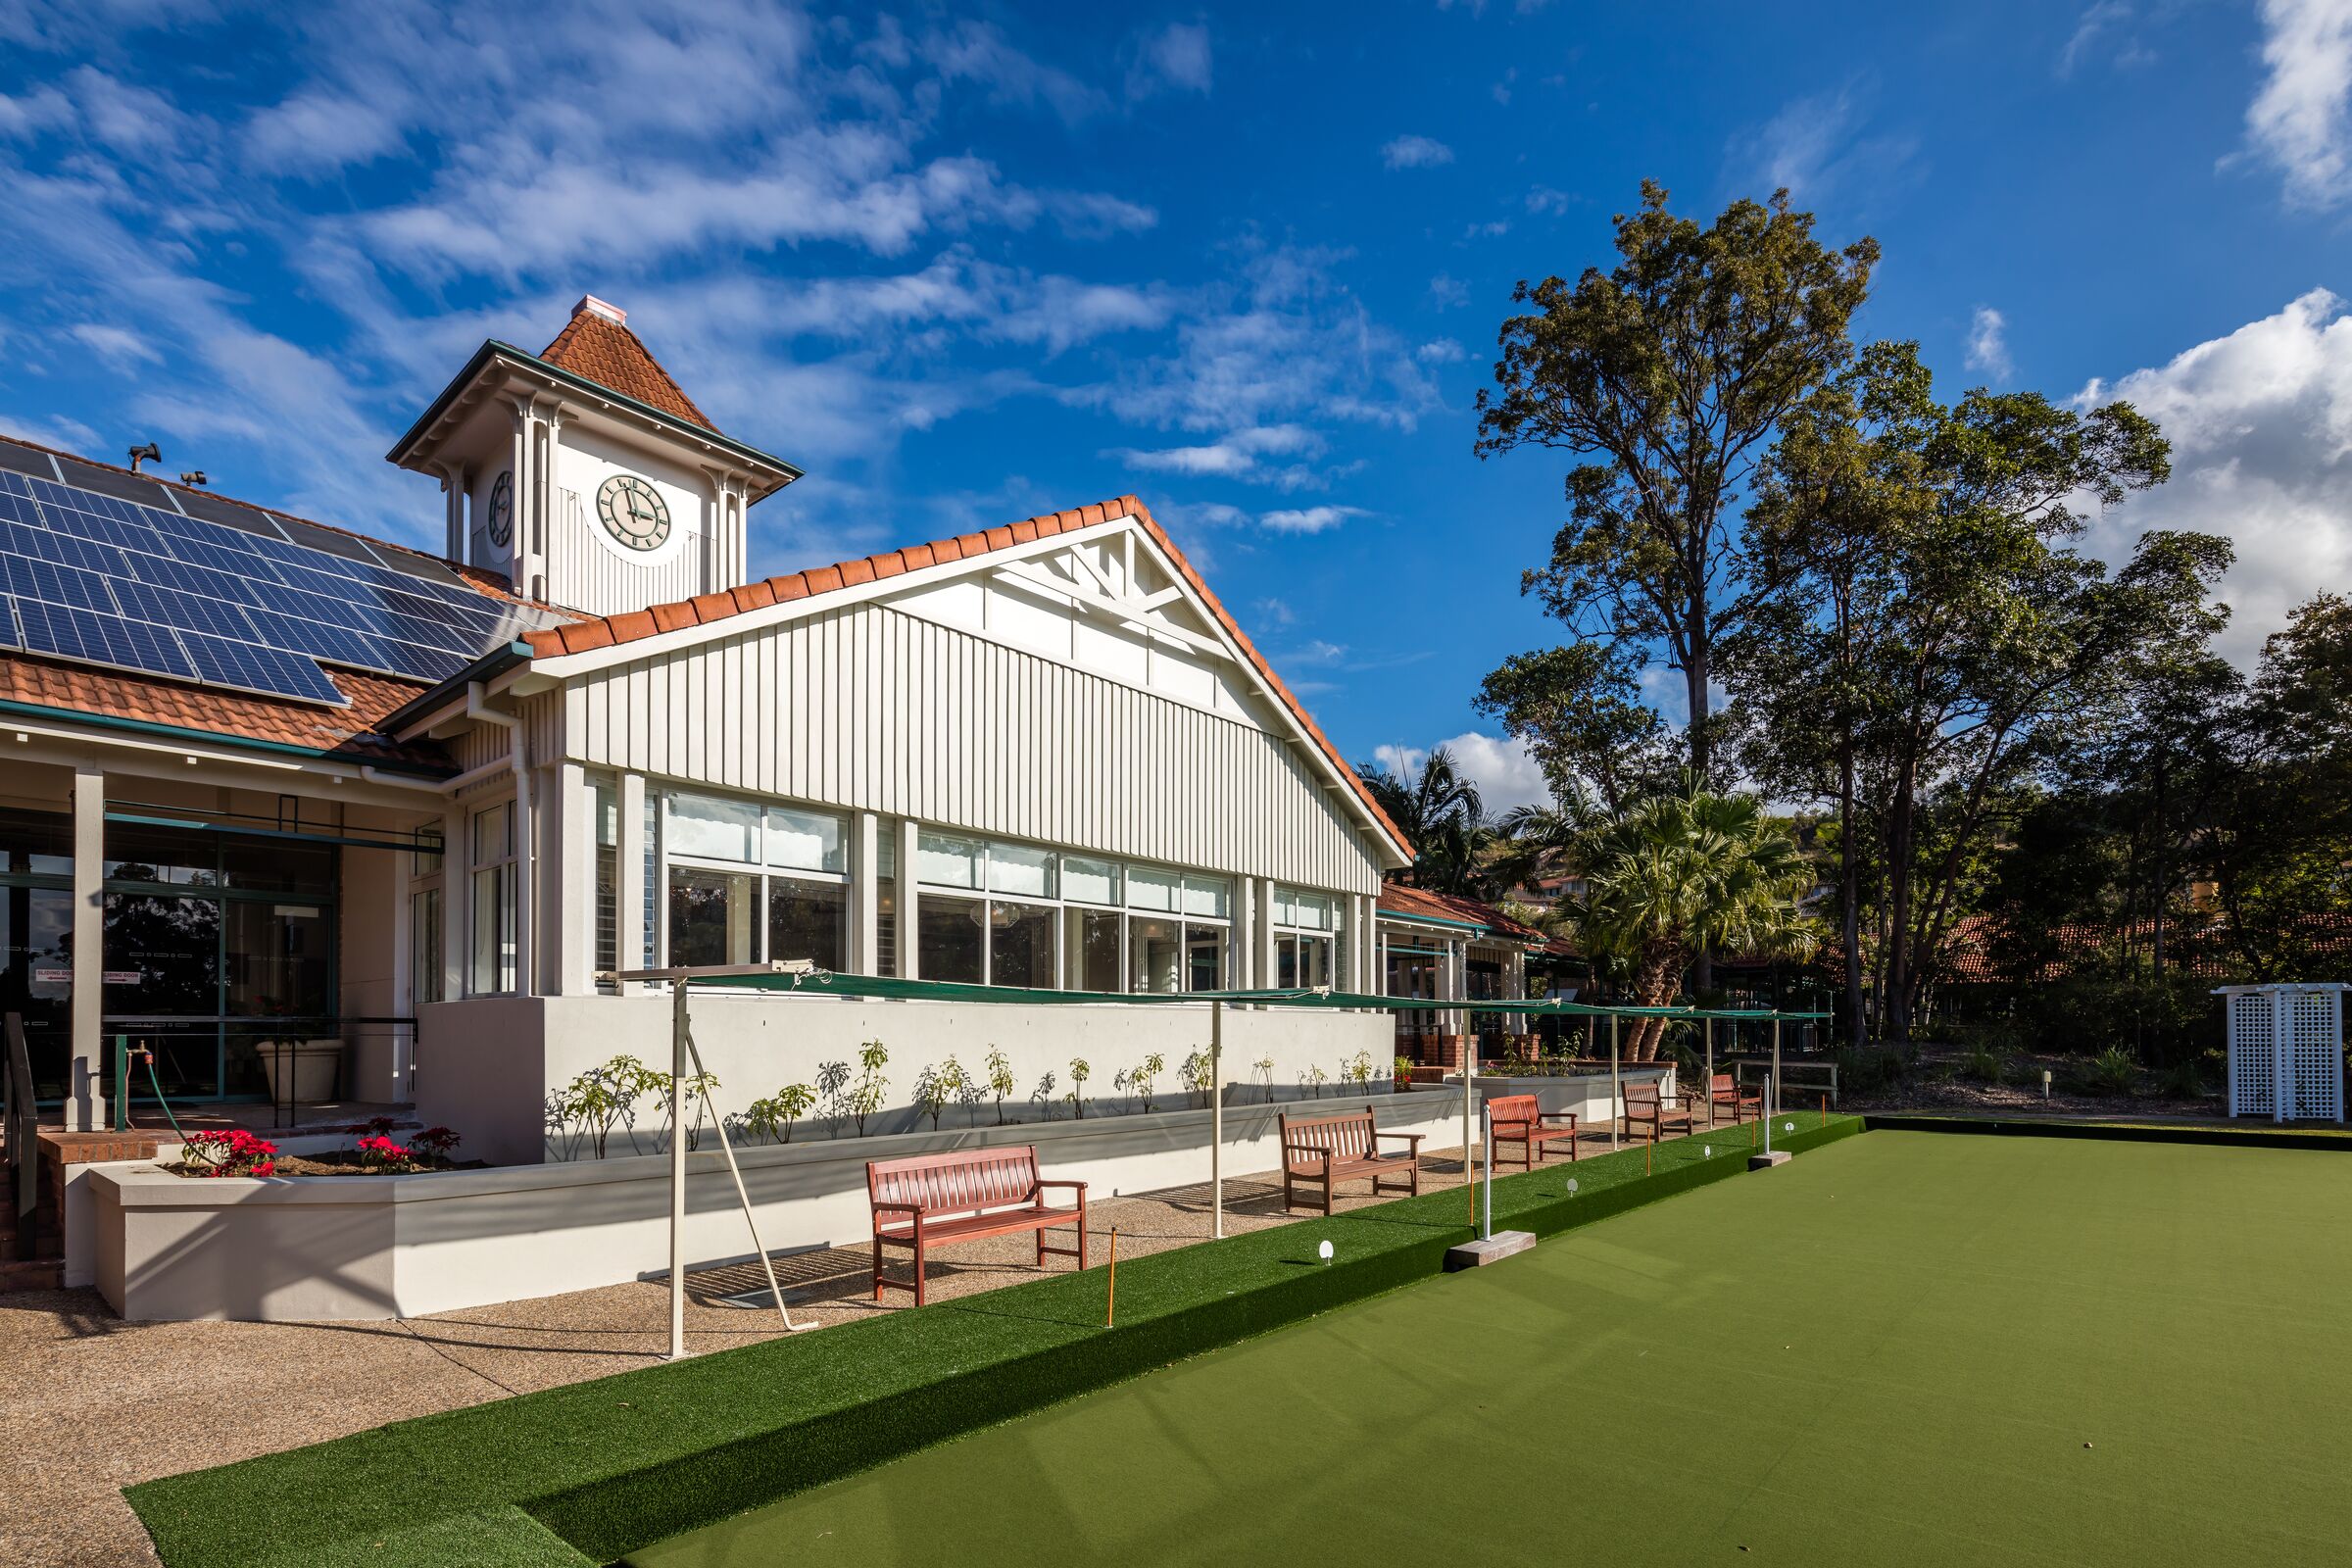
(2046, 1083)
(1787, 1126)
(1323, 1251)
(1571, 1185)
(1707, 1151)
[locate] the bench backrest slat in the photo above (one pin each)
(1643, 1095)
(1510, 1109)
(964, 1182)
(1723, 1087)
(1347, 1136)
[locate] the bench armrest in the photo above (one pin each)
(1314, 1150)
(1568, 1117)
(898, 1208)
(1077, 1187)
(1411, 1137)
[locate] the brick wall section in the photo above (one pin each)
(60, 1150)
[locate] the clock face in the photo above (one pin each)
(633, 511)
(502, 510)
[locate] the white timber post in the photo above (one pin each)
(1216, 1118)
(629, 881)
(866, 901)
(678, 1170)
(909, 948)
(87, 1025)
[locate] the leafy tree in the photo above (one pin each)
(1674, 369)
(1580, 712)
(1940, 646)
(1437, 809)
(773, 1116)
(1684, 872)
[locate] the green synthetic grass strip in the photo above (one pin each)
(610, 1465)
(1901, 1350)
(2255, 1135)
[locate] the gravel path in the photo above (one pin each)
(89, 1403)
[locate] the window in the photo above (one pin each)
(748, 883)
(425, 945)
(886, 896)
(710, 916)
(1093, 944)
(1020, 946)
(1306, 948)
(608, 878)
(492, 971)
(948, 939)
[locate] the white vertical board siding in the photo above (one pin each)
(869, 709)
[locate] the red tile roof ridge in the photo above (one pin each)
(1405, 899)
(558, 641)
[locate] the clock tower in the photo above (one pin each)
(585, 476)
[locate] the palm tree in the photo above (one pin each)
(1681, 873)
(1437, 809)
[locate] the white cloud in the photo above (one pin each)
(1310, 519)
(2298, 119)
(1546, 202)
(1818, 150)
(1415, 152)
(1498, 764)
(2261, 426)
(1445, 292)
(1441, 351)
(2106, 20)
(1240, 454)
(1988, 345)
(116, 346)
(1177, 57)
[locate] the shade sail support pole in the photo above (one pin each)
(1216, 1119)
(678, 1171)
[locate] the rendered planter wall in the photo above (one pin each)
(287, 1250)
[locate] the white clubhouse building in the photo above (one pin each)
(1042, 756)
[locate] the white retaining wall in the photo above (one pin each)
(486, 1067)
(313, 1247)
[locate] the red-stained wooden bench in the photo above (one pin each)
(1326, 1151)
(1518, 1119)
(1644, 1104)
(925, 1199)
(1725, 1089)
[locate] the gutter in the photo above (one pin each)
(497, 662)
(424, 772)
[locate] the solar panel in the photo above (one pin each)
(24, 460)
(220, 509)
(104, 576)
(109, 482)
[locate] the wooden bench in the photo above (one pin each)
(1517, 1119)
(1644, 1103)
(956, 1196)
(1330, 1149)
(1726, 1089)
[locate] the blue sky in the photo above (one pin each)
(967, 265)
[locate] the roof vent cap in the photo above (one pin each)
(604, 308)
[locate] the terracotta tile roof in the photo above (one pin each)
(344, 732)
(594, 345)
(1405, 900)
(584, 636)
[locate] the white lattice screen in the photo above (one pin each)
(2286, 1051)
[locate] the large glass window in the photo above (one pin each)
(492, 971)
(747, 883)
(606, 804)
(1093, 946)
(806, 921)
(1155, 953)
(710, 916)
(1305, 947)
(425, 944)
(949, 943)
(1020, 946)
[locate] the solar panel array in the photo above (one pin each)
(103, 579)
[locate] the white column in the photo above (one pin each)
(518, 558)
(865, 894)
(457, 901)
(909, 960)
(453, 485)
(1263, 892)
(629, 881)
(567, 844)
(88, 1035)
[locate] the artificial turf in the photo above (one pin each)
(586, 1473)
(1906, 1348)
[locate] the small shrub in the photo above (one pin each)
(1868, 1071)
(1316, 1078)
(773, 1116)
(1079, 1073)
(2184, 1080)
(1402, 1072)
(1263, 1069)
(969, 1090)
(697, 1090)
(2113, 1071)
(231, 1154)
(1199, 1078)
(932, 1092)
(1981, 1064)
(999, 1080)
(589, 1107)
(384, 1155)
(833, 1087)
(1043, 1093)
(1137, 1080)
(866, 1095)
(437, 1143)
